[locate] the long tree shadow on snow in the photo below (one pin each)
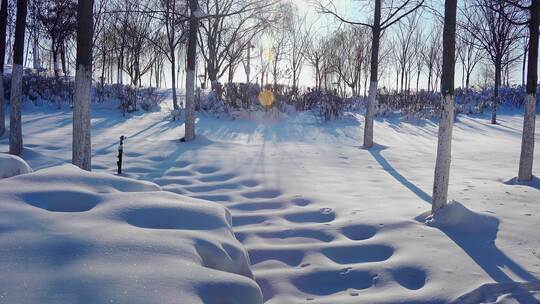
(376, 153)
(475, 234)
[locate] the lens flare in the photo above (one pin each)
(266, 98)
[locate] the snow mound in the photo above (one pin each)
(456, 217)
(11, 165)
(534, 183)
(71, 236)
(503, 293)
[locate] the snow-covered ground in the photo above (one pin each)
(323, 220)
(68, 236)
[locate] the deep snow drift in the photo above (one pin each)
(68, 236)
(323, 220)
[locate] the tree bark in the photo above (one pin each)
(444, 146)
(56, 66)
(63, 59)
(191, 70)
(15, 123)
(372, 99)
(3, 28)
(35, 51)
(498, 72)
(82, 147)
(527, 143)
(173, 81)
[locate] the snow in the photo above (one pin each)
(68, 236)
(458, 218)
(11, 165)
(323, 220)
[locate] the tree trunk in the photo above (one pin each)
(418, 80)
(527, 142)
(3, 28)
(429, 79)
(524, 68)
(372, 99)
(15, 126)
(63, 59)
(191, 70)
(173, 80)
(35, 50)
(444, 146)
(498, 71)
(231, 74)
(82, 147)
(56, 67)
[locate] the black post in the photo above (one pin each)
(120, 152)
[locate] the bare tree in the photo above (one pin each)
(406, 36)
(489, 22)
(15, 124)
(171, 14)
(444, 146)
(82, 149)
(432, 57)
(299, 36)
(383, 18)
(349, 54)
(58, 19)
(314, 55)
(469, 55)
(219, 32)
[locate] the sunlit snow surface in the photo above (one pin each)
(323, 220)
(67, 236)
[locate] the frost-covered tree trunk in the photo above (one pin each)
(444, 147)
(527, 143)
(3, 28)
(15, 124)
(191, 70)
(372, 99)
(82, 148)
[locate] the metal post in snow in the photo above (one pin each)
(120, 153)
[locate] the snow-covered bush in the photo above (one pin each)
(326, 106)
(40, 88)
(428, 104)
(212, 103)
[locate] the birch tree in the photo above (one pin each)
(444, 146)
(15, 123)
(3, 28)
